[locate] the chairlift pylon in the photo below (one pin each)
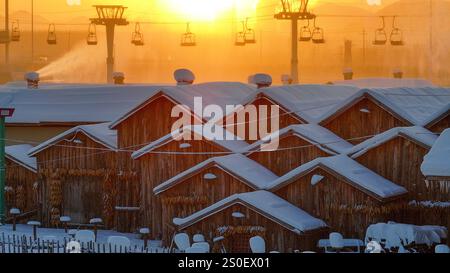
(137, 38)
(15, 31)
(380, 34)
(51, 37)
(188, 38)
(317, 36)
(305, 34)
(240, 36)
(396, 35)
(249, 34)
(92, 35)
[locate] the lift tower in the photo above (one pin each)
(4, 34)
(294, 11)
(110, 16)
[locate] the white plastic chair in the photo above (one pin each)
(119, 243)
(195, 250)
(336, 240)
(257, 244)
(182, 241)
(203, 245)
(85, 236)
(198, 238)
(441, 249)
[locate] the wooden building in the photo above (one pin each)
(173, 154)
(78, 176)
(22, 188)
(237, 218)
(439, 121)
(397, 155)
(207, 183)
(346, 195)
(294, 146)
(152, 120)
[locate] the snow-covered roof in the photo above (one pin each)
(263, 203)
(239, 166)
(436, 163)
(19, 155)
(416, 133)
(414, 105)
(214, 93)
(312, 133)
(216, 134)
(354, 173)
(72, 103)
(308, 102)
(386, 83)
(99, 133)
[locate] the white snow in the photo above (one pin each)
(401, 235)
(144, 231)
(284, 213)
(316, 179)
(65, 219)
(76, 103)
(33, 223)
(416, 133)
(263, 79)
(323, 138)
(436, 162)
(14, 211)
(238, 215)
(209, 176)
(430, 204)
(99, 133)
(233, 144)
(95, 221)
(385, 82)
(360, 176)
(184, 76)
(416, 105)
(257, 244)
(19, 155)
(240, 166)
(32, 76)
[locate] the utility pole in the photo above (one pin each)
(7, 30)
(294, 11)
(110, 16)
(32, 32)
(431, 41)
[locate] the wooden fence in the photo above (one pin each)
(26, 244)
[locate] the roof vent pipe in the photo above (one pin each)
(397, 73)
(119, 78)
(262, 80)
(348, 74)
(32, 79)
(184, 77)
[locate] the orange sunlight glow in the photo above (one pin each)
(208, 10)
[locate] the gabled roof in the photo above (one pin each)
(386, 83)
(317, 135)
(308, 102)
(437, 116)
(437, 162)
(71, 104)
(417, 134)
(217, 134)
(415, 106)
(99, 133)
(351, 172)
(19, 155)
(264, 203)
(241, 167)
(214, 93)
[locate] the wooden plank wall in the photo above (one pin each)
(441, 125)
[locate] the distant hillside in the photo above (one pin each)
(340, 9)
(416, 8)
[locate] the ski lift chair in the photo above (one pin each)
(240, 39)
(92, 35)
(51, 37)
(317, 36)
(137, 37)
(396, 35)
(15, 32)
(249, 34)
(305, 34)
(380, 35)
(188, 38)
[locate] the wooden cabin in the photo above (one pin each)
(22, 187)
(152, 120)
(346, 195)
(207, 183)
(397, 155)
(77, 172)
(436, 169)
(364, 115)
(237, 218)
(440, 121)
(294, 146)
(173, 154)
